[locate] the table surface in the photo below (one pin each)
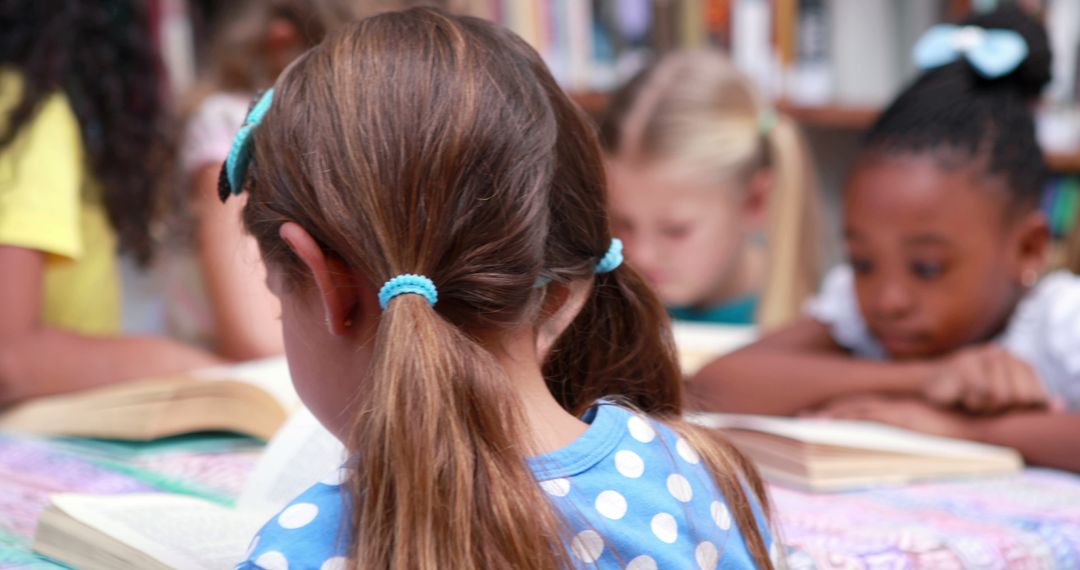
(1030, 520)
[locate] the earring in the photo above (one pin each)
(1030, 278)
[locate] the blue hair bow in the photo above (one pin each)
(992, 53)
(233, 173)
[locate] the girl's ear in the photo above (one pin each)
(562, 303)
(342, 295)
(1032, 239)
(758, 193)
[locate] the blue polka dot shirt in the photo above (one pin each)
(636, 495)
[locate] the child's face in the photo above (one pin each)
(684, 235)
(937, 260)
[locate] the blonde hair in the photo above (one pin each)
(485, 178)
(695, 111)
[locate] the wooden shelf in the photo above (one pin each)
(837, 116)
(1064, 162)
(833, 116)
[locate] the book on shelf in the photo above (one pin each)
(253, 398)
(841, 455)
(159, 531)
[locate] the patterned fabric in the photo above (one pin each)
(637, 495)
(1030, 520)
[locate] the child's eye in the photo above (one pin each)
(928, 270)
(862, 266)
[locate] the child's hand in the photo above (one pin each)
(906, 413)
(985, 380)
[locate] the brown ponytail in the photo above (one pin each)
(418, 142)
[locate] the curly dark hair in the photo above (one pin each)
(954, 109)
(100, 54)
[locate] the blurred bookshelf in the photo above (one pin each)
(830, 116)
(829, 64)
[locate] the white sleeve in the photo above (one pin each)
(836, 307)
(208, 134)
(1061, 373)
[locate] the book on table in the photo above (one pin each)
(838, 455)
(252, 398)
(159, 530)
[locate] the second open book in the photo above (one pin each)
(151, 531)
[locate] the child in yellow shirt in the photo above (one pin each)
(80, 155)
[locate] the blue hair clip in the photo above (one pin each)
(405, 284)
(612, 259)
(992, 53)
(233, 173)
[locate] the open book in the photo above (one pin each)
(253, 398)
(838, 455)
(151, 531)
(700, 343)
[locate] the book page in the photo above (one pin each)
(302, 453)
(270, 374)
(853, 434)
(180, 531)
(699, 343)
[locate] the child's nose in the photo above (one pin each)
(893, 300)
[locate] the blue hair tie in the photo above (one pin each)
(612, 259)
(405, 284)
(993, 53)
(231, 181)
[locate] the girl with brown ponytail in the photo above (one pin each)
(430, 208)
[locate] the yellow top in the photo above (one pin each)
(49, 202)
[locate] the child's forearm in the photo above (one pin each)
(761, 380)
(50, 361)
(1048, 439)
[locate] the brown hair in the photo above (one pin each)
(694, 109)
(235, 54)
(419, 142)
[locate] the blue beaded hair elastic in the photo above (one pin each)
(612, 259)
(610, 262)
(405, 284)
(234, 171)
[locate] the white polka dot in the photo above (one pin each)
(706, 555)
(339, 476)
(640, 429)
(298, 515)
(680, 488)
(774, 553)
(643, 562)
(629, 464)
(251, 547)
(720, 515)
(587, 546)
(687, 452)
(335, 563)
(273, 560)
(665, 528)
(556, 487)
(611, 504)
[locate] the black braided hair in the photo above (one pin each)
(954, 113)
(100, 54)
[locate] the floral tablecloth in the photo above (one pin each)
(1030, 520)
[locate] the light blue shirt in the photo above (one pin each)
(636, 495)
